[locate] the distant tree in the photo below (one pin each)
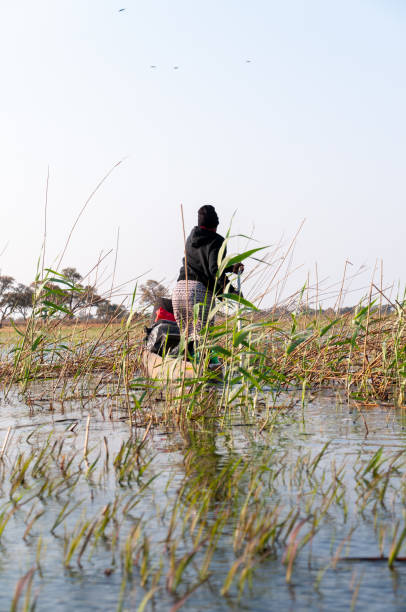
(87, 303)
(107, 311)
(346, 309)
(74, 295)
(72, 275)
(51, 293)
(20, 300)
(60, 292)
(90, 298)
(65, 290)
(6, 289)
(152, 291)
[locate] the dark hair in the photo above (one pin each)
(207, 216)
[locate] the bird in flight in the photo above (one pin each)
(247, 61)
(121, 10)
(152, 66)
(176, 67)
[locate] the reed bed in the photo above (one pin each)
(234, 499)
(363, 351)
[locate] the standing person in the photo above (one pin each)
(197, 283)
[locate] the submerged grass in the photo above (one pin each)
(266, 507)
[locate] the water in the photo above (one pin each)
(287, 450)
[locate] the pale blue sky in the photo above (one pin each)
(313, 127)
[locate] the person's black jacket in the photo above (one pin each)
(202, 248)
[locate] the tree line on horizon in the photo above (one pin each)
(67, 294)
(83, 302)
(74, 299)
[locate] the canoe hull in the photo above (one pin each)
(168, 369)
(172, 370)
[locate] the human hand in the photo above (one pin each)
(238, 268)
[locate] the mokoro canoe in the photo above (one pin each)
(171, 369)
(168, 369)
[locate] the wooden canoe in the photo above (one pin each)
(171, 369)
(168, 369)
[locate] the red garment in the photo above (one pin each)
(164, 315)
(209, 229)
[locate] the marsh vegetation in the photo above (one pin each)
(285, 484)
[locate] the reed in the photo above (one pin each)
(362, 351)
(230, 490)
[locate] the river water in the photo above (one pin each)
(300, 452)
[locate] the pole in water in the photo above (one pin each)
(238, 313)
(239, 292)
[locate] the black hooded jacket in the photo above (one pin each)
(202, 248)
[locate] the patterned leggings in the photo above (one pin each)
(184, 303)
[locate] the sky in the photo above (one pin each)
(277, 112)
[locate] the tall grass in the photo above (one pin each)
(254, 503)
(362, 351)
